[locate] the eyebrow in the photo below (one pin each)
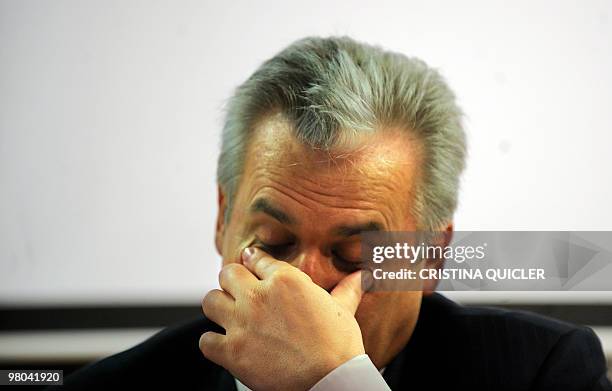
(346, 230)
(262, 205)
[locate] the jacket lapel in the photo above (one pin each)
(225, 381)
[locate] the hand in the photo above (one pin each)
(283, 332)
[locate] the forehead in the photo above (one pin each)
(377, 171)
(388, 152)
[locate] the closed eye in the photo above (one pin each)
(283, 251)
(344, 265)
(278, 251)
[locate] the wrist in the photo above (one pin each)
(336, 360)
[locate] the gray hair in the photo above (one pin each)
(331, 87)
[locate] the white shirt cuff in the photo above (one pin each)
(358, 373)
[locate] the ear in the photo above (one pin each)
(429, 285)
(220, 228)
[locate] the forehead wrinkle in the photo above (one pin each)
(304, 196)
(286, 191)
(274, 149)
(308, 198)
(310, 189)
(383, 173)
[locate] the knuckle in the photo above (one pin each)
(236, 345)
(256, 296)
(204, 343)
(278, 278)
(209, 300)
(229, 270)
(284, 277)
(303, 276)
(232, 267)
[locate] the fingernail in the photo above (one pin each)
(367, 280)
(247, 254)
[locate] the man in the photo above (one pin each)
(328, 139)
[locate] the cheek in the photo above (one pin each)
(234, 241)
(233, 250)
(373, 306)
(379, 308)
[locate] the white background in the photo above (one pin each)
(110, 116)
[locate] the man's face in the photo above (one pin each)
(308, 207)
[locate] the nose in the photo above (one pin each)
(319, 267)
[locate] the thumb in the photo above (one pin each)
(348, 292)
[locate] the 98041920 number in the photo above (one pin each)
(31, 377)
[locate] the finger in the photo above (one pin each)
(348, 292)
(260, 263)
(218, 306)
(212, 345)
(234, 278)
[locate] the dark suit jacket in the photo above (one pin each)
(453, 348)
